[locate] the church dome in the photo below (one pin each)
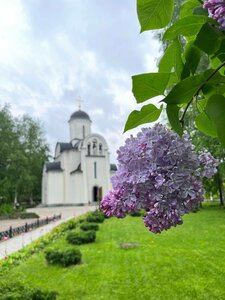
(79, 114)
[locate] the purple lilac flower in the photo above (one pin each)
(159, 172)
(216, 9)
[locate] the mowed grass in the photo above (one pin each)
(186, 262)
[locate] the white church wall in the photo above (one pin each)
(44, 186)
(79, 128)
(76, 189)
(55, 188)
(98, 179)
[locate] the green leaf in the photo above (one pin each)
(212, 89)
(184, 91)
(148, 113)
(188, 8)
(215, 109)
(172, 59)
(154, 14)
(149, 85)
(208, 39)
(221, 52)
(187, 26)
(199, 10)
(193, 56)
(173, 117)
(205, 125)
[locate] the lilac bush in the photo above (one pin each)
(159, 172)
(216, 9)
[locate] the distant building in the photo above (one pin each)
(80, 173)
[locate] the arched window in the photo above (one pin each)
(100, 149)
(83, 131)
(94, 147)
(89, 149)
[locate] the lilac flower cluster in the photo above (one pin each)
(216, 9)
(158, 171)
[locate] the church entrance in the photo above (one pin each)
(97, 194)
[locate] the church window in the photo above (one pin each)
(89, 149)
(100, 149)
(95, 169)
(94, 147)
(83, 131)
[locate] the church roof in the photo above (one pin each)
(52, 166)
(65, 146)
(79, 114)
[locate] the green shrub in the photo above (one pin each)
(15, 290)
(28, 215)
(136, 213)
(66, 258)
(71, 257)
(95, 217)
(6, 209)
(71, 224)
(53, 256)
(89, 226)
(82, 237)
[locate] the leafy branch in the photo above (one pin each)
(198, 91)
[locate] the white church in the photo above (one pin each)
(80, 173)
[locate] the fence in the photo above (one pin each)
(7, 234)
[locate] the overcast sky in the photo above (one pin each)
(52, 51)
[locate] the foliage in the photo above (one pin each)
(6, 209)
(53, 256)
(82, 237)
(89, 226)
(36, 246)
(190, 71)
(71, 257)
(66, 257)
(22, 154)
(95, 217)
(15, 290)
(178, 264)
(29, 215)
(71, 224)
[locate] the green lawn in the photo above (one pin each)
(187, 262)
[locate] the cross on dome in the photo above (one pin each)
(79, 100)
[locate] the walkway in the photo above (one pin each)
(18, 242)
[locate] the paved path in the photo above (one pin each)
(18, 242)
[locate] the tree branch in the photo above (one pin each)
(198, 91)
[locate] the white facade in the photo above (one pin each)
(80, 173)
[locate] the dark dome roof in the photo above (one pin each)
(79, 114)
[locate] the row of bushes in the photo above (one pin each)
(16, 290)
(65, 258)
(87, 234)
(38, 245)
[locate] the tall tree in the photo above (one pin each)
(22, 155)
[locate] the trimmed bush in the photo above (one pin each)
(82, 237)
(16, 290)
(95, 217)
(89, 226)
(53, 256)
(66, 258)
(28, 215)
(71, 257)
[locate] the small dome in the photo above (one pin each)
(79, 114)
